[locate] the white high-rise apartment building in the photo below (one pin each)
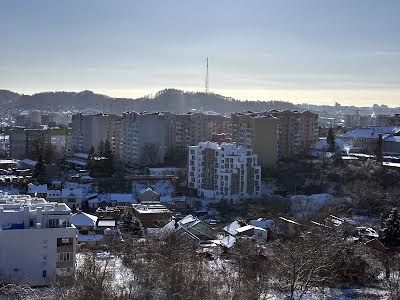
(224, 172)
(37, 241)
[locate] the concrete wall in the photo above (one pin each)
(266, 141)
(26, 253)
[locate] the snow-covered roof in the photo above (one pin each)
(362, 155)
(262, 223)
(322, 144)
(228, 241)
(162, 187)
(106, 223)
(8, 161)
(28, 162)
(370, 132)
(83, 219)
(150, 208)
(391, 164)
(76, 161)
(187, 219)
(84, 238)
(169, 227)
(77, 190)
(289, 221)
(392, 138)
(249, 227)
(349, 158)
(147, 190)
(232, 227)
(32, 188)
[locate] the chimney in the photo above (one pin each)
(39, 217)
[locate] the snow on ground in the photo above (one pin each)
(122, 275)
(303, 206)
(338, 294)
(322, 144)
(10, 190)
(267, 188)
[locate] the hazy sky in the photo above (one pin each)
(300, 50)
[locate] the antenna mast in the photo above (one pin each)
(206, 85)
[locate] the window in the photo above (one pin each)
(64, 241)
(64, 256)
(57, 223)
(44, 273)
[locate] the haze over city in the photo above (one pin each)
(203, 150)
(309, 51)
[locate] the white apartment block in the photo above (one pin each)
(144, 138)
(224, 172)
(37, 241)
(91, 130)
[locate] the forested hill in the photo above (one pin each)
(167, 100)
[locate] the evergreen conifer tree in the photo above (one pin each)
(101, 148)
(129, 224)
(391, 231)
(39, 172)
(330, 139)
(379, 148)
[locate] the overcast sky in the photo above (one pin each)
(300, 50)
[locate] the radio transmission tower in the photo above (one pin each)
(206, 85)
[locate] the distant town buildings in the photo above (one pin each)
(38, 243)
(224, 172)
(365, 140)
(36, 118)
(379, 120)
